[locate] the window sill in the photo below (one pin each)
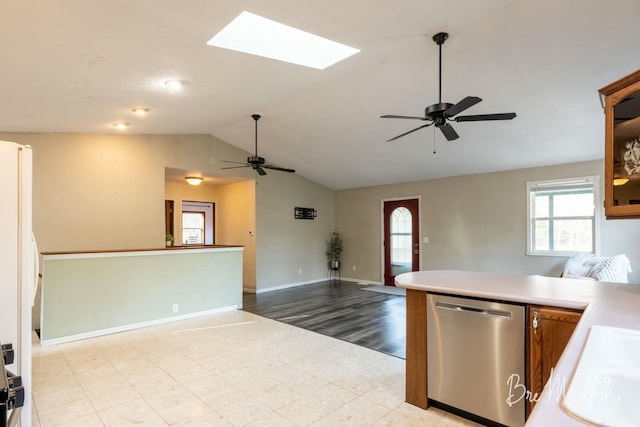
(565, 254)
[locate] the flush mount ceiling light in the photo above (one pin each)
(194, 180)
(141, 111)
(121, 126)
(253, 34)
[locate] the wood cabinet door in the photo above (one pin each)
(548, 332)
(622, 146)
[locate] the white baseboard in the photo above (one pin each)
(290, 285)
(361, 282)
(115, 330)
(310, 282)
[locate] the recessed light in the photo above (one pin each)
(141, 111)
(175, 84)
(253, 34)
(121, 126)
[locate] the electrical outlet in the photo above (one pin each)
(175, 308)
(354, 268)
(299, 271)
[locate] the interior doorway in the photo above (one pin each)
(198, 223)
(401, 239)
(168, 217)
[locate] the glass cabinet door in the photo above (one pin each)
(622, 147)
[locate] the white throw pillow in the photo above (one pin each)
(575, 266)
(611, 269)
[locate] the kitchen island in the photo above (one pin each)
(609, 304)
(91, 293)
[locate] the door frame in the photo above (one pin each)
(392, 199)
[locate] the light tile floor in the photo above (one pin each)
(228, 369)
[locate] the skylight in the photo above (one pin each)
(253, 34)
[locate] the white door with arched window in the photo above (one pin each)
(401, 238)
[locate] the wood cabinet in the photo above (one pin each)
(548, 331)
(621, 101)
(416, 358)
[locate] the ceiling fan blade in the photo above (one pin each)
(407, 133)
(458, 108)
(485, 117)
(236, 167)
(449, 132)
(391, 116)
(260, 171)
(237, 163)
(276, 168)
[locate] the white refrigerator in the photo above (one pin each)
(17, 263)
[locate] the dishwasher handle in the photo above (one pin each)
(474, 310)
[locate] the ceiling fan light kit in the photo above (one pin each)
(440, 113)
(256, 162)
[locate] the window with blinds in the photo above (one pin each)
(562, 216)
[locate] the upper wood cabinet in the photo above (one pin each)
(621, 101)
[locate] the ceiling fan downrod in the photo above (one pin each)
(440, 38)
(256, 117)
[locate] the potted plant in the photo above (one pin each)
(168, 240)
(334, 249)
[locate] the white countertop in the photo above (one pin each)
(609, 304)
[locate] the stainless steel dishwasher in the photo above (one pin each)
(475, 357)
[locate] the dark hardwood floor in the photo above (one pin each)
(339, 309)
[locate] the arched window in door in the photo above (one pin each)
(401, 239)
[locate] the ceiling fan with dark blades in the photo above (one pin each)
(256, 162)
(438, 114)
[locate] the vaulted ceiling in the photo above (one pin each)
(81, 65)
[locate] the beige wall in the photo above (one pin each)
(295, 248)
(236, 224)
(96, 191)
(106, 191)
(475, 222)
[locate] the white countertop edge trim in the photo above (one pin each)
(139, 253)
(475, 293)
